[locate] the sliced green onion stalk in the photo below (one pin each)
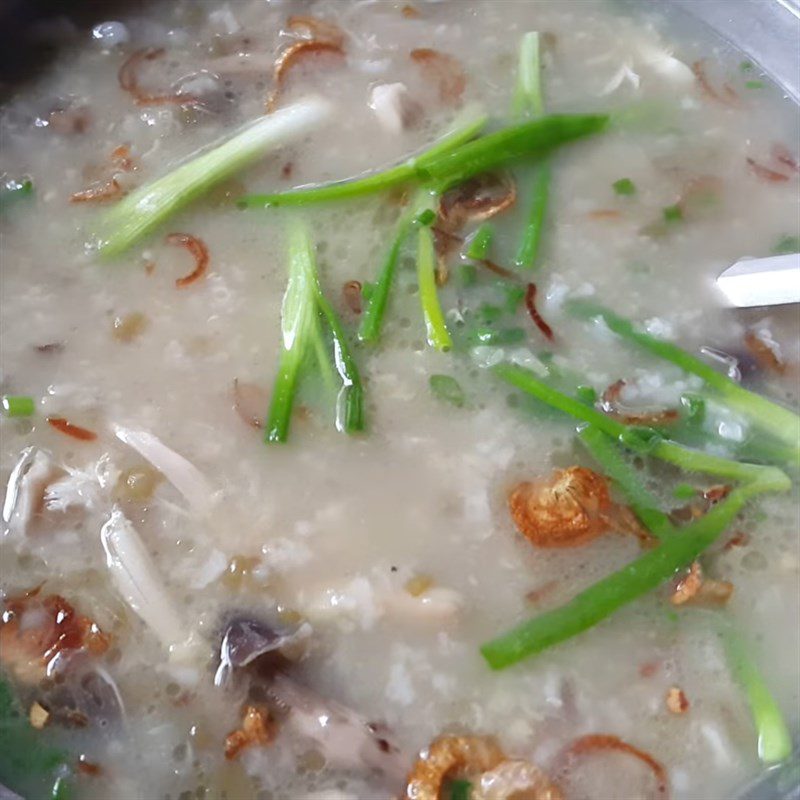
(460, 790)
(11, 192)
(350, 399)
(645, 441)
(448, 389)
(470, 124)
(774, 739)
(298, 313)
(529, 102)
(770, 417)
(28, 763)
(437, 334)
(145, 208)
(445, 169)
(480, 242)
(624, 586)
(624, 187)
(18, 406)
(642, 502)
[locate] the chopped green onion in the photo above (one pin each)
(695, 406)
(480, 242)
(529, 102)
(625, 187)
(444, 169)
(468, 275)
(437, 333)
(469, 127)
(586, 394)
(619, 588)
(774, 739)
(448, 389)
(460, 790)
(515, 294)
(645, 440)
(488, 314)
(786, 245)
(496, 338)
(298, 313)
(529, 248)
(18, 406)
(145, 208)
(13, 191)
(777, 420)
(684, 491)
(746, 66)
(754, 84)
(673, 213)
(642, 502)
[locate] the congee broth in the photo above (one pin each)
(372, 425)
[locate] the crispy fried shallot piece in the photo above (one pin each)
(695, 589)
(250, 402)
(538, 321)
(765, 352)
(593, 743)
(569, 510)
(198, 250)
(727, 96)
(351, 294)
(610, 405)
(128, 77)
(676, 701)
(765, 173)
(319, 30)
(293, 55)
(445, 70)
(448, 756)
(100, 193)
(75, 431)
(409, 12)
(515, 779)
(258, 727)
(477, 199)
(38, 633)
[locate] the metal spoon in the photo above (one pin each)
(762, 281)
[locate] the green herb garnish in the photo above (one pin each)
(786, 245)
(448, 389)
(684, 491)
(460, 790)
(18, 406)
(494, 337)
(437, 334)
(754, 84)
(673, 213)
(480, 242)
(12, 192)
(145, 208)
(624, 186)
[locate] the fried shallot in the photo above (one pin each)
(676, 701)
(128, 77)
(447, 757)
(765, 173)
(199, 251)
(477, 199)
(765, 352)
(611, 406)
(726, 96)
(443, 69)
(516, 779)
(100, 193)
(293, 55)
(258, 727)
(695, 589)
(38, 633)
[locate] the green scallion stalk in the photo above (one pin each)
(771, 417)
(460, 790)
(11, 192)
(529, 102)
(148, 206)
(437, 334)
(480, 242)
(774, 739)
(444, 169)
(470, 124)
(18, 406)
(350, 400)
(639, 577)
(642, 502)
(671, 452)
(298, 320)
(448, 389)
